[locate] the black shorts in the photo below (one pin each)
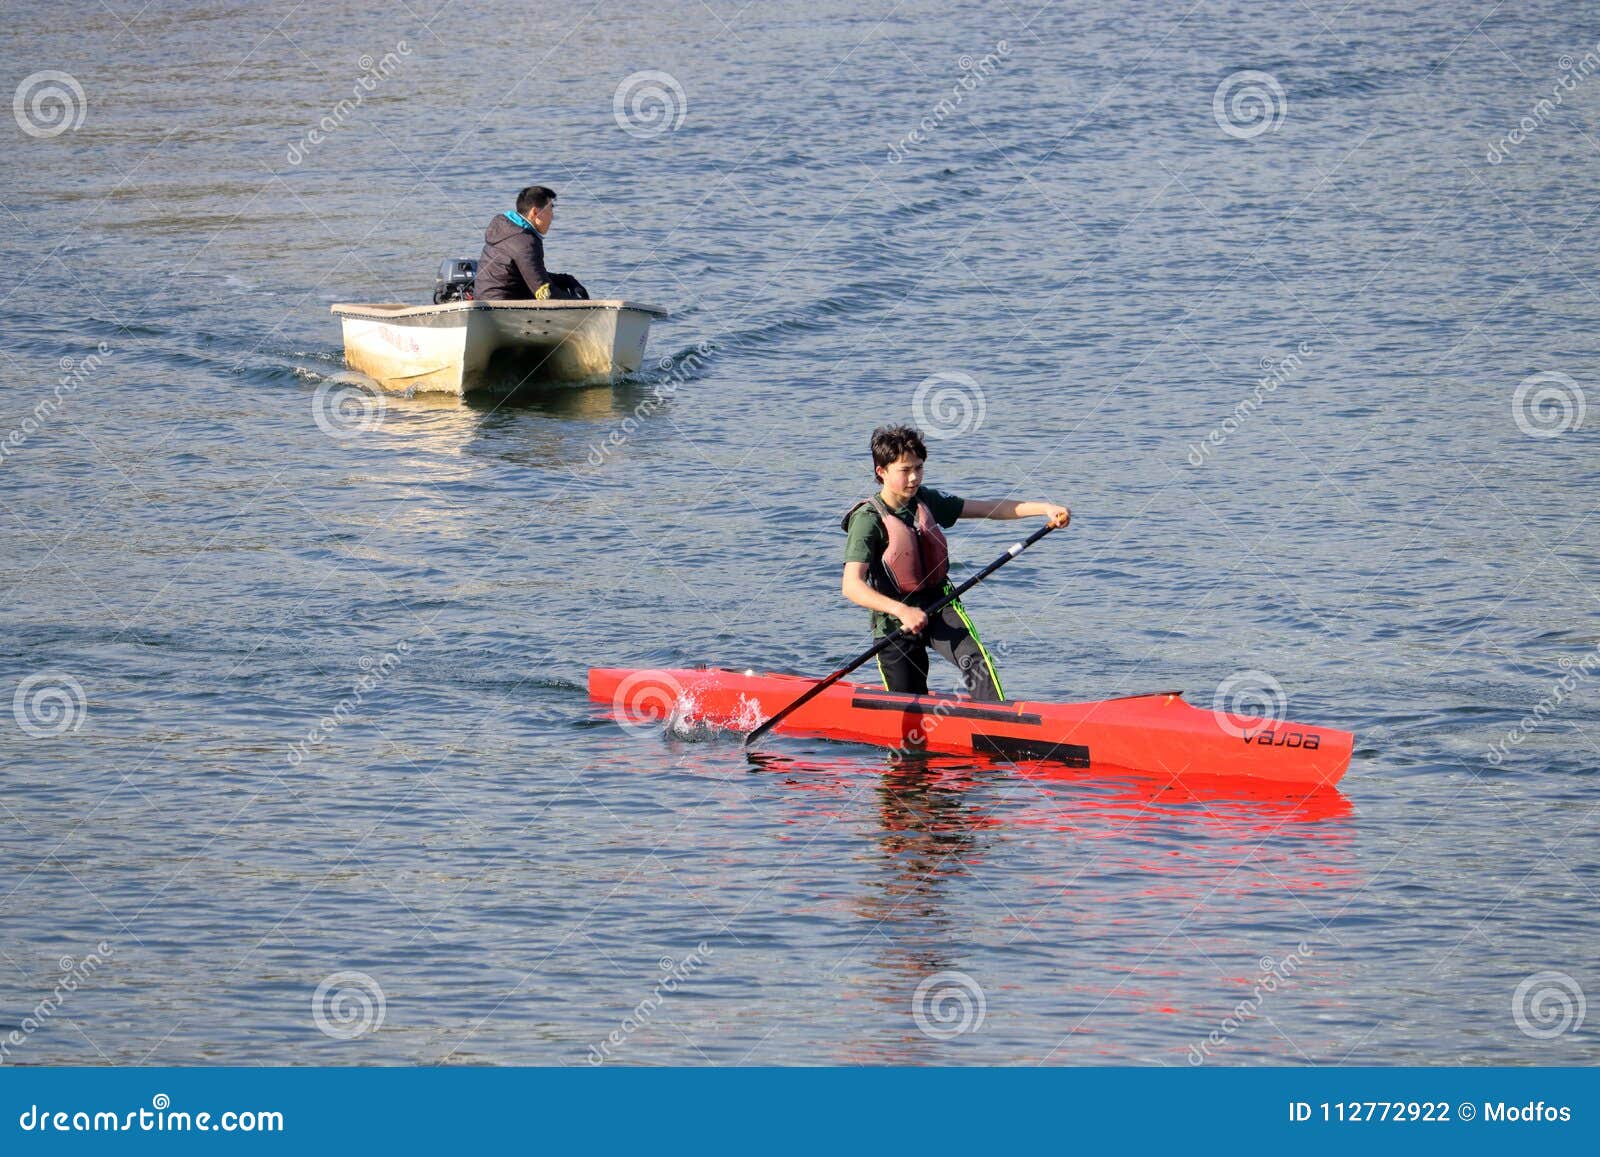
(904, 662)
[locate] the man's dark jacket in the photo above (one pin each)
(511, 267)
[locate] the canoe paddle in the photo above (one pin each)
(1016, 549)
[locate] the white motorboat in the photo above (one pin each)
(463, 346)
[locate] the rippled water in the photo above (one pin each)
(526, 882)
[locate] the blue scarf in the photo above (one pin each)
(519, 220)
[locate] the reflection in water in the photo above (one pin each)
(930, 831)
(602, 403)
(567, 429)
(435, 448)
(599, 402)
(1148, 861)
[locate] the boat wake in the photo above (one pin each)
(775, 330)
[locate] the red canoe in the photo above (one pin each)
(1157, 735)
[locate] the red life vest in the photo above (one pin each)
(917, 559)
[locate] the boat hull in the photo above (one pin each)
(465, 346)
(1155, 735)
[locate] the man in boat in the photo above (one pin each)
(511, 267)
(896, 562)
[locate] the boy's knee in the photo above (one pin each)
(975, 676)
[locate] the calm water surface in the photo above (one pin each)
(205, 556)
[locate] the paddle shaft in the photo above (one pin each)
(1016, 549)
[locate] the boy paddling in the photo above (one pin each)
(896, 562)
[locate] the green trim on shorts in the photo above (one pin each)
(994, 675)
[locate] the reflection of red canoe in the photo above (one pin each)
(1150, 734)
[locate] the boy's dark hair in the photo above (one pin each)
(534, 197)
(892, 443)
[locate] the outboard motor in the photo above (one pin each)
(454, 283)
